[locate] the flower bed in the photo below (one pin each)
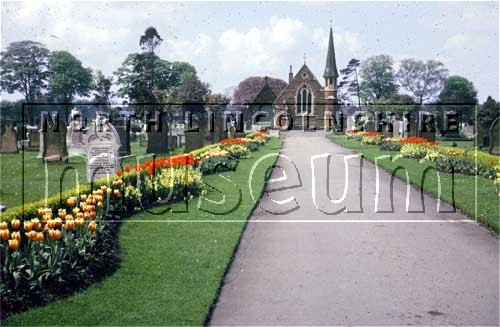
(448, 159)
(53, 247)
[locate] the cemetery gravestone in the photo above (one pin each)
(369, 126)
(53, 141)
(34, 138)
(102, 144)
(8, 140)
(494, 138)
(157, 134)
(427, 127)
(76, 133)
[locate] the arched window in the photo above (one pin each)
(304, 100)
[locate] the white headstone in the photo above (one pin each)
(101, 145)
(351, 125)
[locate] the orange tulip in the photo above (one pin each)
(70, 224)
(41, 212)
(55, 234)
(16, 236)
(58, 222)
(4, 234)
(92, 226)
(14, 244)
(99, 205)
(39, 237)
(31, 235)
(61, 213)
(76, 210)
(28, 226)
(83, 197)
(15, 223)
(4, 225)
(79, 222)
(116, 192)
(36, 224)
(109, 191)
(71, 201)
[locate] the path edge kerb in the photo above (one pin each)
(208, 316)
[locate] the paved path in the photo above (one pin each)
(370, 270)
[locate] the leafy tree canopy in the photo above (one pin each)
(459, 94)
(23, 68)
(248, 89)
(423, 79)
(378, 78)
(68, 78)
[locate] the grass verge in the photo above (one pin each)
(488, 202)
(173, 263)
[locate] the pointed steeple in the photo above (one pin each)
(331, 64)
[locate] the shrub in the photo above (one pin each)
(390, 146)
(374, 140)
(217, 164)
(415, 150)
(238, 151)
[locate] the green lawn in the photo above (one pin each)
(11, 186)
(465, 191)
(171, 271)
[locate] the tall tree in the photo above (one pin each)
(191, 94)
(150, 40)
(378, 78)
(68, 78)
(102, 87)
(459, 94)
(23, 68)
(349, 86)
(488, 112)
(133, 77)
(423, 79)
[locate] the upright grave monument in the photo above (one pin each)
(53, 139)
(157, 133)
(8, 140)
(101, 147)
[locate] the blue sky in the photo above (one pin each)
(229, 41)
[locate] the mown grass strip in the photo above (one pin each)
(488, 202)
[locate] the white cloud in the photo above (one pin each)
(466, 41)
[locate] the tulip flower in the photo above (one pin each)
(92, 226)
(61, 213)
(14, 244)
(39, 237)
(127, 168)
(15, 223)
(4, 225)
(116, 192)
(55, 234)
(28, 226)
(36, 224)
(83, 197)
(70, 224)
(79, 222)
(4, 234)
(32, 235)
(16, 236)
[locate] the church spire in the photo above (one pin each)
(331, 74)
